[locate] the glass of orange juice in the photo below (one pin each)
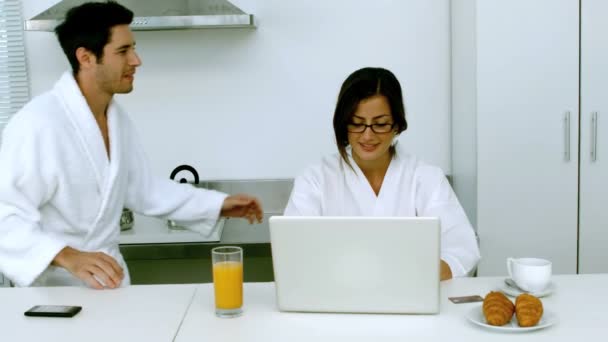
(227, 264)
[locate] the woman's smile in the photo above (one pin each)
(368, 147)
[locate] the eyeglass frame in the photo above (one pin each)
(365, 126)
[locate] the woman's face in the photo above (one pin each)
(369, 146)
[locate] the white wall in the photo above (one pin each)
(238, 103)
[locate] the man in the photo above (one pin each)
(70, 162)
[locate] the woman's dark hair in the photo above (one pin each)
(360, 85)
(89, 26)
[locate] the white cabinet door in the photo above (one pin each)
(593, 224)
(527, 87)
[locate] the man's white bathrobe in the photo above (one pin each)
(410, 188)
(58, 188)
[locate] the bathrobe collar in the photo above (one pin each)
(80, 115)
(371, 204)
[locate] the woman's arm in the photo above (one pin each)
(435, 198)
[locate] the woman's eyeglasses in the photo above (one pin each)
(376, 128)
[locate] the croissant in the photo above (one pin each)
(528, 310)
(497, 308)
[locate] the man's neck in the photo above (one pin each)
(97, 99)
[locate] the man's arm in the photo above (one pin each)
(25, 248)
(244, 206)
(96, 269)
(150, 195)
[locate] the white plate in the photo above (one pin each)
(476, 316)
(513, 292)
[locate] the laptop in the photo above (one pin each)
(356, 264)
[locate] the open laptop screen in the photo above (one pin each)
(356, 264)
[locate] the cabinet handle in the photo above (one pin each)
(593, 136)
(567, 136)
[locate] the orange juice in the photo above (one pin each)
(228, 284)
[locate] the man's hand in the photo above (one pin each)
(244, 206)
(91, 267)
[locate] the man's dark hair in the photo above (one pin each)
(89, 26)
(361, 85)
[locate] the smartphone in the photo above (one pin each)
(53, 311)
(466, 299)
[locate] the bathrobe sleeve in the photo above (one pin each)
(305, 199)
(436, 198)
(151, 195)
(27, 182)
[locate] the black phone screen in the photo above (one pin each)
(53, 311)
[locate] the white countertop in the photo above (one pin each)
(579, 301)
(153, 230)
(185, 313)
(125, 314)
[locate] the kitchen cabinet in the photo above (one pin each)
(174, 263)
(540, 164)
(527, 65)
(593, 213)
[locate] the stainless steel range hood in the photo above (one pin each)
(158, 15)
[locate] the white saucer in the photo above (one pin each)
(514, 292)
(475, 315)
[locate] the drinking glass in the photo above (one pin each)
(227, 264)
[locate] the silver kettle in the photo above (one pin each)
(126, 219)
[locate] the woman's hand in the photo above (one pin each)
(445, 271)
(245, 206)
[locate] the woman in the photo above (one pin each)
(371, 177)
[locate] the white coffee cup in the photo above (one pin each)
(530, 274)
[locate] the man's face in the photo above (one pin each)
(115, 71)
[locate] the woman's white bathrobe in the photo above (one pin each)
(58, 188)
(410, 188)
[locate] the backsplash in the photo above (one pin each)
(272, 193)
